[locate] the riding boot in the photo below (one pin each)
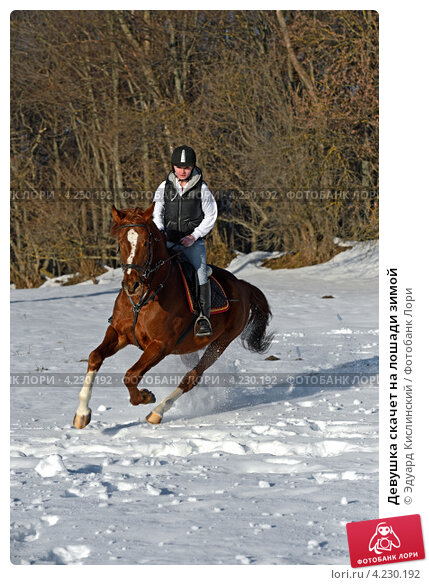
(202, 325)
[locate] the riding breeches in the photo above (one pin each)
(197, 256)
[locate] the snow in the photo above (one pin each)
(50, 466)
(247, 473)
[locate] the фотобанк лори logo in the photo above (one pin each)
(386, 540)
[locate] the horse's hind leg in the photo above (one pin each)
(109, 346)
(191, 378)
(190, 360)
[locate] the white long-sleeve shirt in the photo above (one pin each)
(208, 204)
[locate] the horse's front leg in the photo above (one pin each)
(111, 343)
(151, 356)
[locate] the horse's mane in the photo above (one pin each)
(134, 215)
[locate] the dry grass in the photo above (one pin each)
(88, 269)
(302, 258)
(220, 255)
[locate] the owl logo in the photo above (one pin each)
(384, 539)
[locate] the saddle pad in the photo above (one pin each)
(219, 301)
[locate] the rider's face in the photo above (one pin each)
(183, 173)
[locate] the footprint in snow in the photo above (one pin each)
(23, 532)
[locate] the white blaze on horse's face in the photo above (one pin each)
(132, 237)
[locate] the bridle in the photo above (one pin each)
(147, 274)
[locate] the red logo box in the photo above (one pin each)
(386, 540)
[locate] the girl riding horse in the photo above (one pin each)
(151, 311)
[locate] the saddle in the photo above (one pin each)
(219, 300)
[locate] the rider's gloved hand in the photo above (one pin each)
(187, 241)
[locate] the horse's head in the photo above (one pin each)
(137, 235)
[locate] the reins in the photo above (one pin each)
(145, 273)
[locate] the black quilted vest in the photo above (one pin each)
(182, 214)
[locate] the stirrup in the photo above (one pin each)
(205, 330)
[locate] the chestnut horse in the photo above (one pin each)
(151, 311)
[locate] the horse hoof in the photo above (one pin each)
(152, 397)
(142, 397)
(147, 396)
(154, 418)
(80, 421)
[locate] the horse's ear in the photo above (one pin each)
(149, 212)
(117, 214)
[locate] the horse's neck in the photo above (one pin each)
(160, 253)
(169, 271)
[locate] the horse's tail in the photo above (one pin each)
(254, 336)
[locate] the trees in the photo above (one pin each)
(274, 103)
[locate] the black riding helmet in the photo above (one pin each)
(183, 156)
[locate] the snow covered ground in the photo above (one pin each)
(247, 473)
